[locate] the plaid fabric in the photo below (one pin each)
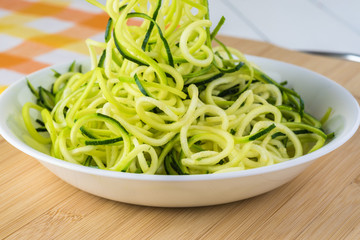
(38, 33)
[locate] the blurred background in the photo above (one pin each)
(38, 33)
(314, 25)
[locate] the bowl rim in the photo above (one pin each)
(44, 158)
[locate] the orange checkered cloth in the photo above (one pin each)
(38, 33)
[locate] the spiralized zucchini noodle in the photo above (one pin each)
(161, 99)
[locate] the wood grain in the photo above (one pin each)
(321, 203)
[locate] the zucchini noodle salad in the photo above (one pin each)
(167, 97)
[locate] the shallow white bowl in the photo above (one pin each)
(318, 93)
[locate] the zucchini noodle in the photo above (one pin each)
(161, 99)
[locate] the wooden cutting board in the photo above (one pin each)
(321, 203)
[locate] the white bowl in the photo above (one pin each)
(318, 93)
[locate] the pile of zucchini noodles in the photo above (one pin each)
(160, 99)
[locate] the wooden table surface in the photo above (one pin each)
(321, 203)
